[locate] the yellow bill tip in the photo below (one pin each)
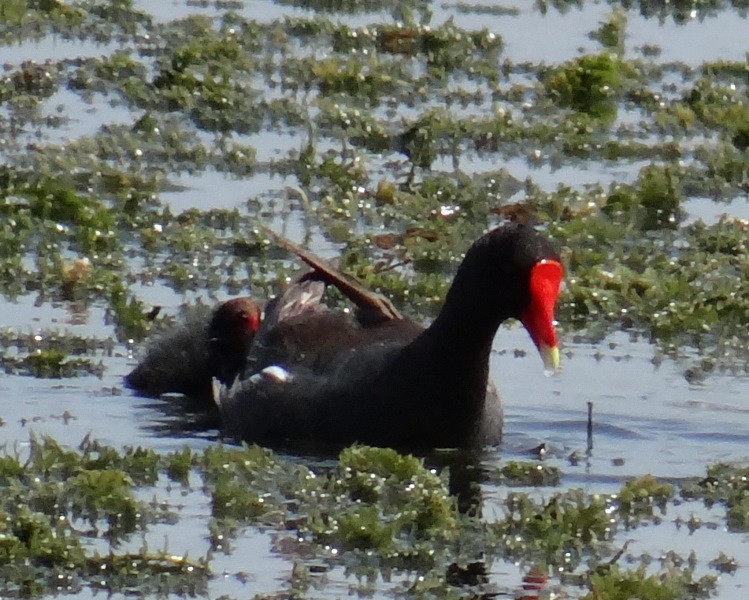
(550, 357)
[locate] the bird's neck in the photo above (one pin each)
(454, 354)
(468, 321)
(456, 348)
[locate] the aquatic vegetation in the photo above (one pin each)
(557, 531)
(128, 313)
(53, 355)
(612, 31)
(729, 485)
(179, 464)
(374, 509)
(616, 584)
(352, 77)
(588, 84)
(638, 497)
(401, 484)
(48, 199)
(360, 6)
(724, 563)
(516, 473)
(96, 493)
(46, 494)
(662, 284)
(46, 364)
(352, 125)
(719, 104)
(724, 172)
(652, 203)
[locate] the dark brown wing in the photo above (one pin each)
(374, 307)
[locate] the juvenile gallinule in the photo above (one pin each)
(205, 345)
(330, 377)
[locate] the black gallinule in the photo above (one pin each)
(330, 377)
(186, 358)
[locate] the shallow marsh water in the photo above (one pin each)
(652, 413)
(647, 419)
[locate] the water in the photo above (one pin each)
(648, 417)
(640, 411)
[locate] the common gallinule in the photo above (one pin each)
(331, 377)
(187, 357)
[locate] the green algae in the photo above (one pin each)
(52, 356)
(639, 497)
(374, 510)
(612, 31)
(729, 485)
(517, 473)
(414, 495)
(46, 364)
(670, 290)
(47, 494)
(376, 498)
(557, 531)
(660, 294)
(351, 77)
(652, 203)
(615, 584)
(588, 84)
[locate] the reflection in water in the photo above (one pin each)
(178, 415)
(465, 476)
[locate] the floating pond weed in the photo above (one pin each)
(587, 84)
(141, 151)
(616, 584)
(521, 473)
(375, 508)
